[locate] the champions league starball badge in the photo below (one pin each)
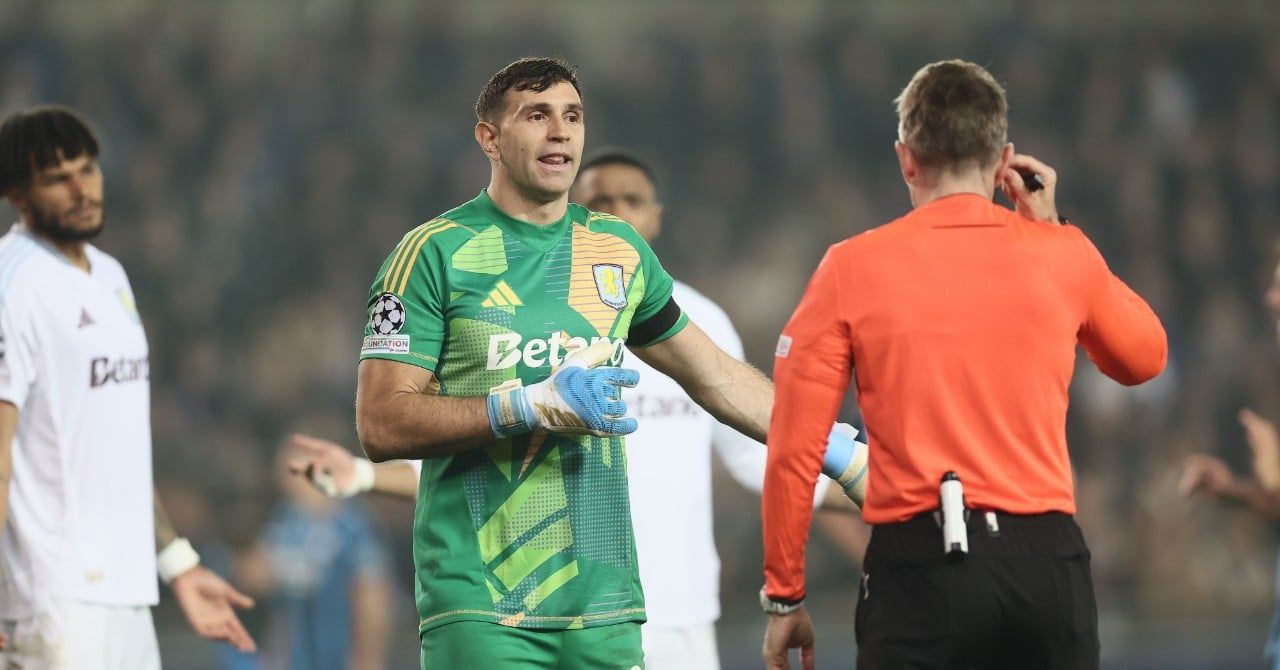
(388, 315)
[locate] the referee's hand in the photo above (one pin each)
(1036, 205)
(787, 632)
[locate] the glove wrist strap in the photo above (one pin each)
(509, 411)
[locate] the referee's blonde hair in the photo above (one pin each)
(952, 113)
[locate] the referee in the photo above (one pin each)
(962, 320)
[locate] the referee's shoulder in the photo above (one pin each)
(1066, 237)
(868, 241)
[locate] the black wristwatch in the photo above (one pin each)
(778, 606)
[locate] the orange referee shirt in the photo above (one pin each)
(961, 321)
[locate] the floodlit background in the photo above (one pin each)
(263, 157)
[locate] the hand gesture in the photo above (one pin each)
(1035, 205)
(207, 602)
(1205, 474)
(329, 467)
(784, 633)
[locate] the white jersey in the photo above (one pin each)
(669, 471)
(73, 360)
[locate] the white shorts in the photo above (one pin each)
(82, 636)
(686, 648)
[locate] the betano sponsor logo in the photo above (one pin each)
(103, 370)
(508, 349)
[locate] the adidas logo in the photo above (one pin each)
(502, 296)
(85, 319)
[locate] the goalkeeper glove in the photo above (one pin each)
(846, 462)
(579, 398)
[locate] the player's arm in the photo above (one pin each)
(1264, 443)
(8, 426)
(207, 600)
(732, 391)
(338, 473)
(399, 414)
(1209, 475)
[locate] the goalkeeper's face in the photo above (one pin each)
(539, 141)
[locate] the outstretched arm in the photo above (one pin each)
(735, 393)
(338, 473)
(206, 599)
(1210, 476)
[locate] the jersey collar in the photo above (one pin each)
(541, 238)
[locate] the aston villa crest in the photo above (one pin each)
(609, 284)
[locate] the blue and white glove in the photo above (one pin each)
(579, 398)
(846, 462)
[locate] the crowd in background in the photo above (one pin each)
(254, 184)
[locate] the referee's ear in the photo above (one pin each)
(907, 163)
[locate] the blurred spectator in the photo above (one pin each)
(323, 567)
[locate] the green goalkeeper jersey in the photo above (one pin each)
(533, 531)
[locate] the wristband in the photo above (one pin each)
(364, 476)
(176, 558)
(779, 607)
(361, 479)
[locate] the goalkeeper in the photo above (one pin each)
(491, 353)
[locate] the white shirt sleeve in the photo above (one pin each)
(741, 455)
(18, 344)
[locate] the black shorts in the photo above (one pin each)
(1022, 598)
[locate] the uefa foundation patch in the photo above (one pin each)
(385, 344)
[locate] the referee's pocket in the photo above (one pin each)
(1084, 606)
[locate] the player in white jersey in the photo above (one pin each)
(668, 457)
(84, 536)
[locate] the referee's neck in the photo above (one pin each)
(975, 182)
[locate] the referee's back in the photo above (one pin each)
(960, 322)
(964, 321)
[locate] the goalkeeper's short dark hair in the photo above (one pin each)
(40, 137)
(526, 74)
(617, 156)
